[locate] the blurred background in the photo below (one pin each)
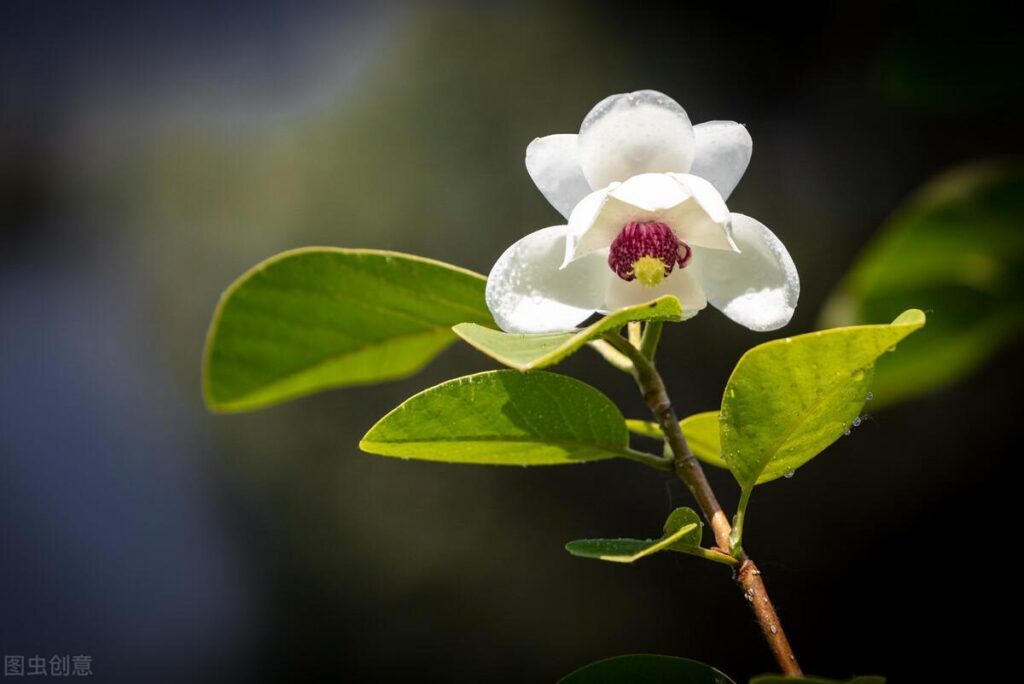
(151, 152)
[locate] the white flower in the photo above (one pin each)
(644, 194)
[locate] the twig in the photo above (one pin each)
(689, 470)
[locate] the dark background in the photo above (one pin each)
(151, 152)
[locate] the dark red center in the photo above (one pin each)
(649, 239)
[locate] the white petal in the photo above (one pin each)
(633, 133)
(554, 165)
(581, 222)
(757, 288)
(681, 283)
(687, 204)
(723, 153)
(703, 220)
(527, 292)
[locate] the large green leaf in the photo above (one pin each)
(789, 399)
(322, 317)
(646, 669)
(503, 418)
(528, 352)
(682, 532)
(956, 250)
(701, 431)
(783, 679)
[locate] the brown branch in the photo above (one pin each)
(690, 471)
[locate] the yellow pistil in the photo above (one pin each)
(649, 271)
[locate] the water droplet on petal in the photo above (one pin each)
(871, 395)
(856, 421)
(790, 474)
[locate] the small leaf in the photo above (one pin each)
(956, 250)
(784, 679)
(503, 418)
(322, 317)
(679, 520)
(529, 352)
(682, 532)
(701, 431)
(789, 399)
(646, 669)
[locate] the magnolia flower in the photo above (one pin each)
(644, 194)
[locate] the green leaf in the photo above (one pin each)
(789, 399)
(645, 428)
(783, 679)
(646, 669)
(322, 317)
(529, 352)
(682, 532)
(956, 250)
(684, 527)
(503, 418)
(701, 431)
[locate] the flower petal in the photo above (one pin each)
(689, 205)
(681, 283)
(723, 150)
(757, 288)
(582, 221)
(625, 135)
(527, 292)
(703, 220)
(554, 165)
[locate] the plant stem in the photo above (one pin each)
(612, 355)
(736, 539)
(656, 462)
(633, 330)
(714, 556)
(649, 340)
(689, 470)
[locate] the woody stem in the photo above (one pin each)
(689, 470)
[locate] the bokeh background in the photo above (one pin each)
(151, 152)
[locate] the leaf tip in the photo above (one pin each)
(369, 446)
(575, 548)
(912, 317)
